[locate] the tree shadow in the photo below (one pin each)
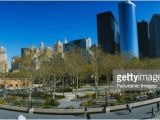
(149, 113)
(122, 113)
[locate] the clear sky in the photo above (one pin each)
(23, 24)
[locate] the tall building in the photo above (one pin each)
(37, 55)
(84, 43)
(59, 47)
(3, 60)
(29, 51)
(15, 65)
(143, 39)
(108, 32)
(49, 52)
(59, 50)
(42, 46)
(154, 30)
(128, 29)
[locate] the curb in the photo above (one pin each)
(77, 111)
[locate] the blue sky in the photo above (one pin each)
(25, 23)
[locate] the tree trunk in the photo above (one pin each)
(76, 93)
(54, 88)
(30, 97)
(4, 92)
(96, 86)
(72, 79)
(50, 89)
(63, 86)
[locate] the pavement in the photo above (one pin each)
(143, 112)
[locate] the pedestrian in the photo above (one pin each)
(130, 108)
(88, 116)
(85, 109)
(158, 106)
(126, 106)
(104, 109)
(153, 112)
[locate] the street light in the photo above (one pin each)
(106, 92)
(30, 97)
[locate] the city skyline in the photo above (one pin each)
(30, 23)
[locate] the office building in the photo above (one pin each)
(128, 29)
(108, 32)
(154, 30)
(3, 60)
(143, 39)
(30, 52)
(42, 46)
(59, 47)
(84, 44)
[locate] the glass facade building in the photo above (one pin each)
(84, 43)
(108, 32)
(154, 30)
(128, 29)
(143, 39)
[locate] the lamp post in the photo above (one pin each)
(96, 83)
(4, 88)
(30, 97)
(106, 92)
(77, 82)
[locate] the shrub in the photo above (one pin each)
(59, 96)
(65, 90)
(151, 95)
(128, 99)
(51, 102)
(40, 94)
(18, 103)
(89, 95)
(88, 103)
(11, 98)
(117, 96)
(2, 101)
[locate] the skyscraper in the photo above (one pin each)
(143, 39)
(128, 29)
(84, 43)
(28, 51)
(59, 47)
(108, 32)
(154, 29)
(42, 46)
(3, 60)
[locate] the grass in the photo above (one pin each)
(88, 103)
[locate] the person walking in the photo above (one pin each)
(127, 106)
(85, 109)
(158, 105)
(130, 108)
(104, 108)
(153, 113)
(88, 116)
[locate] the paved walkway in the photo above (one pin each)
(138, 113)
